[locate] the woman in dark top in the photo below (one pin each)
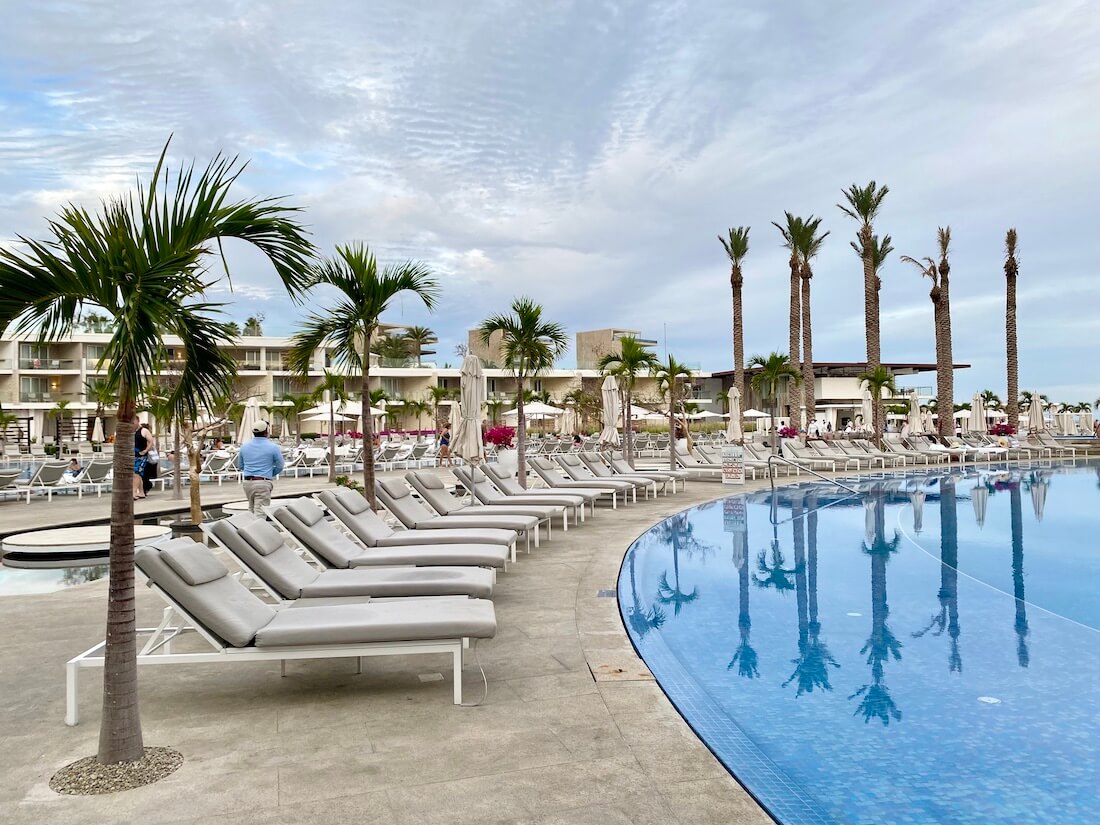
(445, 447)
(142, 443)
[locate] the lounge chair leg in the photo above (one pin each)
(565, 520)
(538, 535)
(72, 682)
(282, 668)
(359, 666)
(457, 659)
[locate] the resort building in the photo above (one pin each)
(595, 344)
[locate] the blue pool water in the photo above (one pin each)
(925, 652)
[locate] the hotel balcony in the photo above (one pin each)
(47, 364)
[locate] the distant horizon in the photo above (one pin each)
(589, 156)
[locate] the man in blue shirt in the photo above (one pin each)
(261, 462)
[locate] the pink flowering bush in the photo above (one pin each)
(501, 436)
(1002, 429)
(788, 432)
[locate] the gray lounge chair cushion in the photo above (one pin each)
(417, 619)
(306, 511)
(193, 563)
(394, 487)
(352, 501)
(406, 581)
(223, 606)
(264, 538)
(458, 535)
(354, 513)
(320, 537)
(472, 555)
(429, 480)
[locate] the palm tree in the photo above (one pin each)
(332, 391)
(437, 396)
(351, 324)
(863, 205)
(878, 381)
(991, 400)
(811, 668)
(737, 247)
(745, 657)
(141, 259)
(669, 374)
(941, 314)
(678, 533)
(417, 408)
(1016, 521)
(530, 345)
(296, 405)
(59, 412)
(793, 237)
(809, 245)
(1012, 269)
(947, 619)
(641, 620)
(774, 372)
(98, 391)
(6, 420)
(493, 406)
(625, 365)
(253, 325)
(392, 349)
(417, 338)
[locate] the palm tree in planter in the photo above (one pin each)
(416, 339)
(348, 327)
(141, 260)
(1012, 270)
(774, 373)
(631, 359)
(670, 374)
(296, 403)
(878, 381)
(737, 248)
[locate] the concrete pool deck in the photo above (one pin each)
(573, 730)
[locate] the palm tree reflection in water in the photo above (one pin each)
(875, 700)
(678, 533)
(641, 620)
(1023, 656)
(811, 668)
(948, 616)
(745, 657)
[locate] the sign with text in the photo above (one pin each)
(733, 464)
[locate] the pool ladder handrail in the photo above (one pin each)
(771, 475)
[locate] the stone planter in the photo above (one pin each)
(508, 461)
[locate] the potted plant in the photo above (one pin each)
(503, 438)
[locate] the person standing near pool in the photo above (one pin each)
(261, 462)
(143, 442)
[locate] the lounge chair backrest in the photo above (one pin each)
(503, 481)
(433, 491)
(595, 465)
(483, 487)
(195, 579)
(305, 520)
(709, 453)
(353, 511)
(49, 474)
(9, 477)
(97, 471)
(399, 501)
(620, 464)
(262, 549)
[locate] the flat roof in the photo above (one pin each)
(843, 369)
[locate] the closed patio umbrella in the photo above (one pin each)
(916, 426)
(979, 497)
(248, 420)
(1038, 496)
(466, 439)
(569, 422)
(733, 429)
(866, 410)
(977, 415)
(609, 394)
(963, 417)
(916, 498)
(926, 422)
(1085, 424)
(97, 431)
(1035, 422)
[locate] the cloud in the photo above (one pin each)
(587, 154)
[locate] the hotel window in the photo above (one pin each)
(392, 387)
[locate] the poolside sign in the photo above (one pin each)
(733, 464)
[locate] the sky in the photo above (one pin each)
(588, 154)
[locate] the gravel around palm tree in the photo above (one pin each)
(365, 292)
(530, 345)
(141, 259)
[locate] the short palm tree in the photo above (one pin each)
(141, 259)
(6, 420)
(809, 245)
(99, 392)
(991, 400)
(332, 391)
(393, 349)
(437, 396)
(296, 405)
(417, 408)
(417, 338)
(59, 413)
(773, 373)
(1012, 269)
(350, 325)
(794, 232)
(631, 359)
(737, 248)
(878, 381)
(670, 374)
(253, 326)
(530, 345)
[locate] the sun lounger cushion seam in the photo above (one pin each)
(264, 538)
(193, 564)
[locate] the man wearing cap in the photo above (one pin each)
(261, 462)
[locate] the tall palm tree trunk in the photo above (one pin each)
(672, 422)
(1023, 657)
(871, 319)
(368, 432)
(628, 426)
(945, 402)
(120, 737)
(1011, 271)
(738, 336)
(177, 480)
(809, 399)
(794, 397)
(521, 435)
(944, 423)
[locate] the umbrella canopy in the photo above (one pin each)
(350, 409)
(609, 394)
(979, 497)
(916, 426)
(536, 409)
(466, 439)
(570, 421)
(869, 522)
(733, 429)
(248, 420)
(323, 419)
(1039, 497)
(97, 431)
(916, 498)
(754, 413)
(1035, 421)
(926, 422)
(703, 414)
(866, 409)
(977, 415)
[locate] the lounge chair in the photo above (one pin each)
(262, 551)
(659, 481)
(219, 466)
(242, 628)
(860, 459)
(1049, 442)
(896, 447)
(353, 513)
(867, 451)
(48, 478)
(550, 475)
(398, 499)
(794, 450)
(714, 456)
(8, 480)
(572, 466)
(478, 483)
(432, 490)
(509, 486)
(702, 470)
(97, 475)
(922, 445)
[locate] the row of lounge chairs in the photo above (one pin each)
(339, 581)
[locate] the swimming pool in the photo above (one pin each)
(925, 652)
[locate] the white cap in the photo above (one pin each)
(259, 427)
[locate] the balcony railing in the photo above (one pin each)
(41, 397)
(46, 363)
(249, 364)
(5, 364)
(94, 364)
